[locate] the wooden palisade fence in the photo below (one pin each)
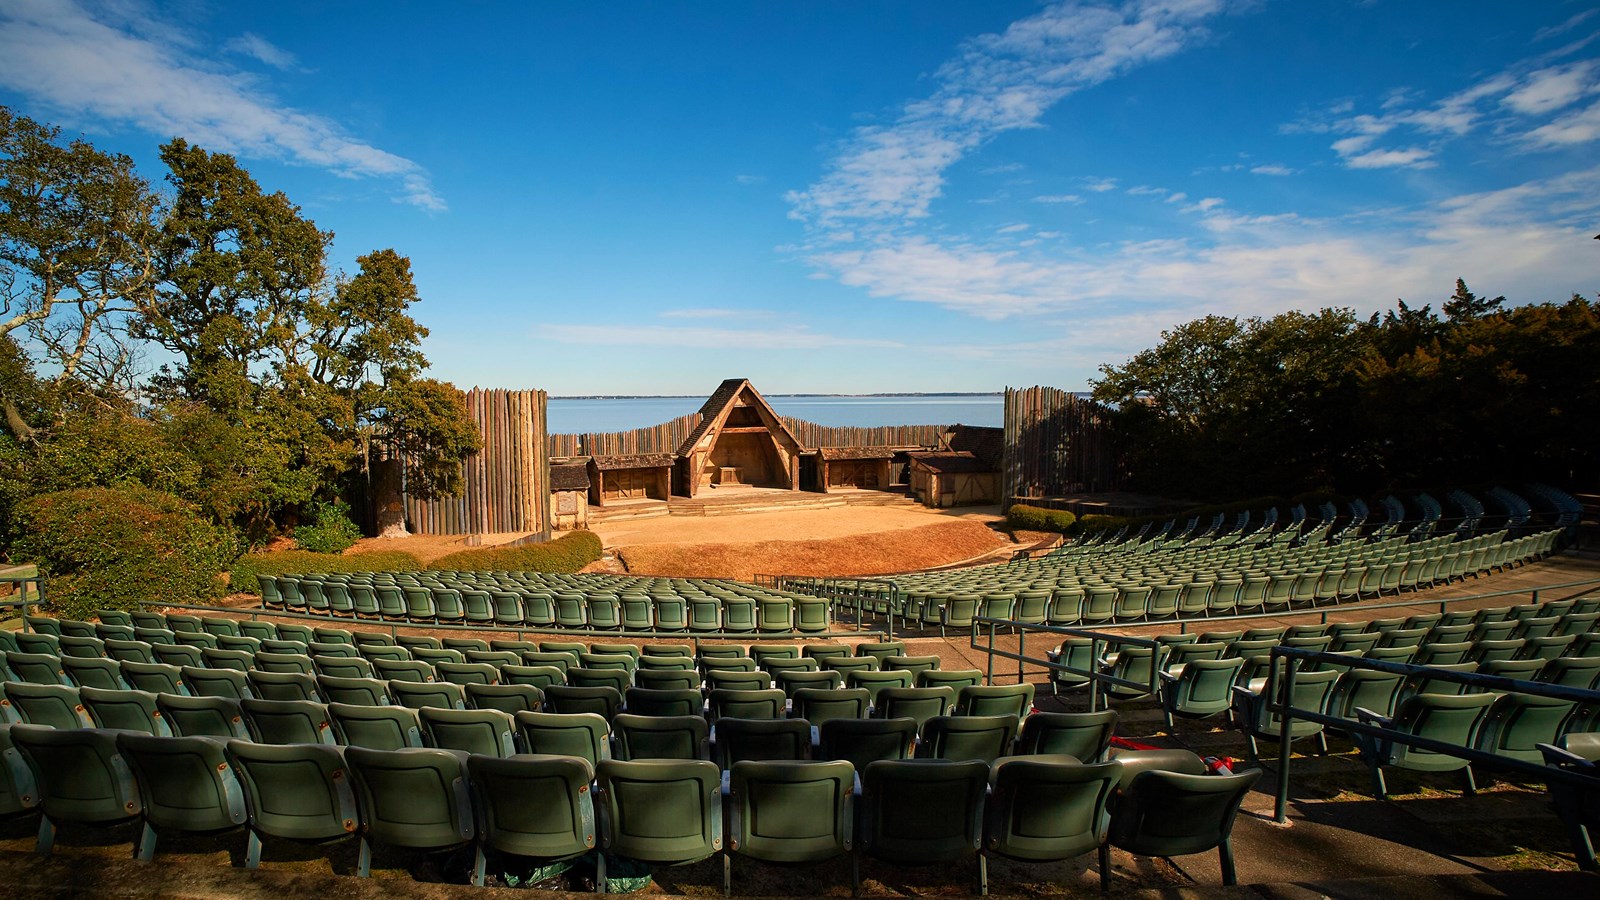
(668, 436)
(506, 484)
(1057, 443)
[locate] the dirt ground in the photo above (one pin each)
(852, 540)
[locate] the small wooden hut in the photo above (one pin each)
(863, 468)
(964, 470)
(646, 476)
(569, 495)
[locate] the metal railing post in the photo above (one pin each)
(1281, 812)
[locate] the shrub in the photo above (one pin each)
(247, 567)
(568, 553)
(1022, 517)
(329, 529)
(113, 548)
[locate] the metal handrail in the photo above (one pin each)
(1295, 656)
(1098, 641)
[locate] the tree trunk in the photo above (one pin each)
(388, 507)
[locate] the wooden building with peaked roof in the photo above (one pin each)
(964, 470)
(740, 440)
(645, 476)
(864, 468)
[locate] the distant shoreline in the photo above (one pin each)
(701, 397)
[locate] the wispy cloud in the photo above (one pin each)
(996, 83)
(1099, 185)
(1273, 169)
(706, 338)
(1564, 27)
(750, 179)
(119, 63)
(1058, 198)
(262, 50)
(1530, 105)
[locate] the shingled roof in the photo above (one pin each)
(833, 453)
(569, 476)
(951, 462)
(639, 461)
(712, 413)
(987, 444)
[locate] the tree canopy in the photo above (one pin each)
(1226, 407)
(283, 380)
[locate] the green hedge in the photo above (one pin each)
(289, 562)
(113, 548)
(1022, 517)
(568, 553)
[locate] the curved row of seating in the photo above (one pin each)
(1120, 588)
(559, 808)
(542, 600)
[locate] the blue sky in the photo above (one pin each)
(844, 196)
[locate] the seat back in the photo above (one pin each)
(218, 717)
(376, 727)
(185, 784)
(660, 811)
(761, 739)
(916, 812)
(56, 705)
(416, 797)
(659, 737)
(1048, 808)
(1083, 735)
(863, 741)
(561, 825)
(287, 721)
(650, 702)
(80, 774)
(584, 735)
(124, 710)
(818, 706)
(745, 704)
(995, 700)
(487, 732)
(1173, 814)
(805, 810)
(968, 737)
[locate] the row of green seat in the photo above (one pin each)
(541, 808)
(1027, 595)
(579, 602)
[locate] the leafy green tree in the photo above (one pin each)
(76, 227)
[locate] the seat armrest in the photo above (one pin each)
(1368, 717)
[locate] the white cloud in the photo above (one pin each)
(1581, 127)
(1534, 235)
(1514, 105)
(1099, 185)
(750, 179)
(1409, 158)
(121, 65)
(1548, 90)
(1273, 169)
(705, 338)
(1564, 27)
(1013, 229)
(997, 83)
(262, 50)
(1058, 198)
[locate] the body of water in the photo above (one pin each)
(574, 416)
